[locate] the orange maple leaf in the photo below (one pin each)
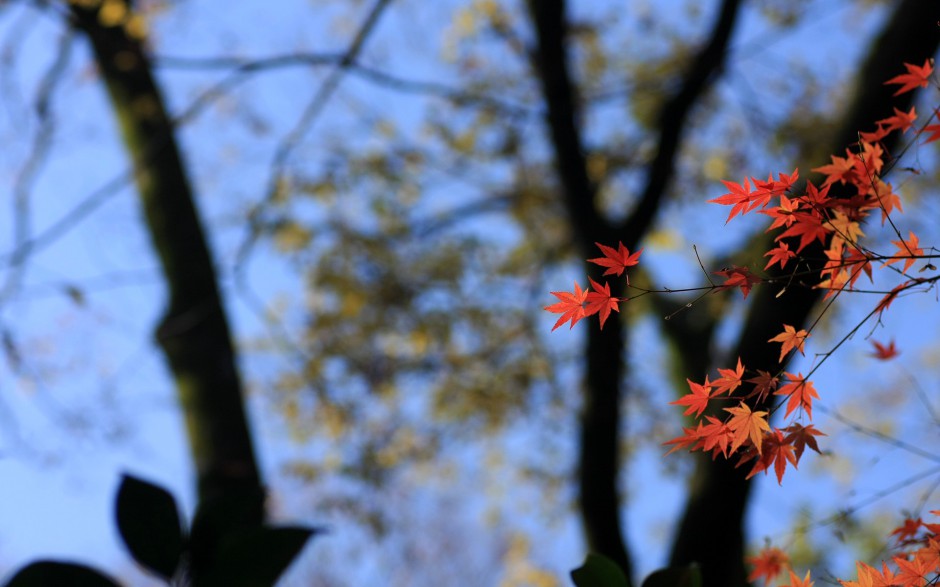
(617, 260)
(915, 76)
(795, 581)
(768, 563)
(883, 352)
(866, 576)
(907, 250)
(738, 277)
(839, 170)
(801, 393)
(600, 301)
(885, 199)
(747, 425)
(845, 228)
(791, 339)
(571, 306)
(912, 572)
(696, 401)
(730, 379)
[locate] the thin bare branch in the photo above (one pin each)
(42, 143)
(307, 119)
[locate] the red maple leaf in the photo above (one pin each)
(738, 277)
(571, 306)
(781, 254)
(934, 130)
(782, 214)
(696, 401)
(600, 301)
(839, 170)
(860, 263)
(768, 563)
(808, 226)
(801, 393)
(616, 261)
(715, 436)
(885, 302)
(802, 436)
(915, 76)
(874, 136)
(901, 120)
(764, 383)
(738, 198)
(908, 529)
(883, 352)
(777, 452)
(690, 436)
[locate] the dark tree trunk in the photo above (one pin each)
(601, 421)
(194, 332)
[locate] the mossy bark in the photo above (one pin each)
(194, 332)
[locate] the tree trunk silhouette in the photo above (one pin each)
(605, 369)
(194, 332)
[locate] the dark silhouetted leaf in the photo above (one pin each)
(599, 571)
(688, 576)
(52, 573)
(256, 558)
(149, 523)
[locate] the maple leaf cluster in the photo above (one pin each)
(578, 304)
(744, 431)
(916, 564)
(730, 414)
(800, 220)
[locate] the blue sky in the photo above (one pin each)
(94, 399)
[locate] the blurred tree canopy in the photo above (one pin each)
(391, 197)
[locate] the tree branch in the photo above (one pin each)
(673, 117)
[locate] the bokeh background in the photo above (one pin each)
(387, 219)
